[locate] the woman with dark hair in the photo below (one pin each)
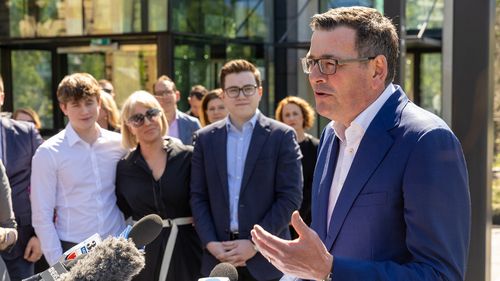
(29, 115)
(297, 113)
(212, 108)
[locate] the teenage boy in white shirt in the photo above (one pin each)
(73, 173)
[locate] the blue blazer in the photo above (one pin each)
(187, 126)
(271, 187)
(404, 210)
(19, 143)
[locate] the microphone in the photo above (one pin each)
(146, 230)
(115, 259)
(222, 272)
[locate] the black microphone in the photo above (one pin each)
(222, 271)
(146, 230)
(115, 259)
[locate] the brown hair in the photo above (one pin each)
(237, 66)
(76, 87)
(375, 34)
(213, 94)
(162, 79)
(198, 91)
(305, 107)
(31, 113)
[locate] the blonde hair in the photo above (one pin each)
(109, 105)
(307, 110)
(147, 100)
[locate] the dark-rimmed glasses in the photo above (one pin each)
(247, 90)
(328, 66)
(137, 120)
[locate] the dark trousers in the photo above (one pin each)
(244, 275)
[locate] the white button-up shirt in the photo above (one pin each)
(77, 181)
(350, 138)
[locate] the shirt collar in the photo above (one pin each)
(363, 120)
(251, 122)
(73, 137)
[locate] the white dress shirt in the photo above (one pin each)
(77, 181)
(350, 138)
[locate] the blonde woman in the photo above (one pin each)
(154, 178)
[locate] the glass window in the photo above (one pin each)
(234, 18)
(431, 86)
(90, 63)
(31, 83)
(409, 82)
(424, 12)
(328, 4)
(49, 18)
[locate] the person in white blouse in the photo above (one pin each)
(73, 173)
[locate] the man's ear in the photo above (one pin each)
(2, 98)
(380, 69)
(63, 108)
(177, 95)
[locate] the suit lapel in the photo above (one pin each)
(373, 147)
(259, 137)
(328, 156)
(218, 146)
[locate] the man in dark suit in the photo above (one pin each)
(245, 170)
(180, 124)
(19, 141)
(390, 191)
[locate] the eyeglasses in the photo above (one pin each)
(161, 94)
(328, 66)
(234, 92)
(137, 120)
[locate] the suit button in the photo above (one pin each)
(242, 205)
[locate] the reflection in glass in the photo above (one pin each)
(428, 12)
(50, 18)
(431, 82)
(31, 78)
(232, 19)
(89, 63)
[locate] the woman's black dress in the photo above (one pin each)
(139, 194)
(309, 149)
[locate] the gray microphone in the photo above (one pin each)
(115, 259)
(222, 272)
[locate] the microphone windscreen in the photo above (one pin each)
(146, 230)
(225, 269)
(115, 259)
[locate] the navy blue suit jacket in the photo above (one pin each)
(271, 187)
(19, 143)
(187, 126)
(404, 210)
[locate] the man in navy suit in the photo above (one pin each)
(246, 170)
(180, 124)
(18, 143)
(390, 192)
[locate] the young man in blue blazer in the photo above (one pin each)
(246, 170)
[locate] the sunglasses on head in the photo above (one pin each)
(137, 120)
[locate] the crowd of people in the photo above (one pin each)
(233, 185)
